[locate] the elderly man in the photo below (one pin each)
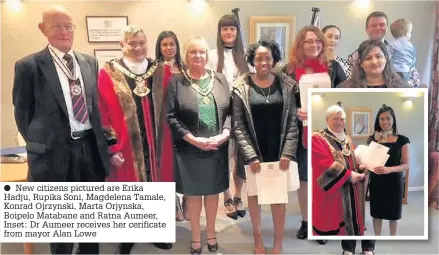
(337, 182)
(56, 112)
(376, 28)
(131, 90)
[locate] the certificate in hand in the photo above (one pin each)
(271, 184)
(372, 156)
(307, 81)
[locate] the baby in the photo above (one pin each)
(401, 51)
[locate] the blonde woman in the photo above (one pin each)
(199, 117)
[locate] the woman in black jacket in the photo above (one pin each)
(265, 128)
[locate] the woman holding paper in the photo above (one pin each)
(372, 70)
(198, 111)
(309, 54)
(386, 182)
(265, 128)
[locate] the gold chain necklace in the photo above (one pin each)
(203, 92)
(344, 144)
(141, 89)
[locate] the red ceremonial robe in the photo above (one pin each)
(336, 205)
(118, 112)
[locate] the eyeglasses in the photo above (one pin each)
(59, 27)
(311, 42)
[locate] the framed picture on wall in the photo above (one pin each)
(360, 122)
(105, 55)
(107, 29)
(278, 28)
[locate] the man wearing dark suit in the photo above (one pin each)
(57, 114)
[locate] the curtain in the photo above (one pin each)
(433, 126)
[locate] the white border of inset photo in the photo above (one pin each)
(409, 91)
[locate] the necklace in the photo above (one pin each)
(344, 145)
(267, 97)
(141, 89)
(383, 135)
(204, 92)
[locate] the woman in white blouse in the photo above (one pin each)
(229, 59)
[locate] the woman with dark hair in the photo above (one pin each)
(265, 128)
(309, 54)
(373, 68)
(386, 182)
(229, 59)
(332, 34)
(167, 50)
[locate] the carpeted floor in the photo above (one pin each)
(235, 237)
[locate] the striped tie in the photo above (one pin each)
(78, 101)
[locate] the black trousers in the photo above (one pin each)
(349, 245)
(85, 165)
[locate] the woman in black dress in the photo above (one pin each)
(265, 128)
(386, 182)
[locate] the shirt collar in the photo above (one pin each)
(137, 68)
(61, 54)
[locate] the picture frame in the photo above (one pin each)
(281, 29)
(105, 29)
(105, 55)
(360, 123)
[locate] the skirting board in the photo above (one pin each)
(415, 188)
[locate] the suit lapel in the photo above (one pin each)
(45, 62)
(88, 78)
(218, 95)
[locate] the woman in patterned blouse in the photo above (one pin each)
(333, 35)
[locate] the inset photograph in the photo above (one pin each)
(369, 164)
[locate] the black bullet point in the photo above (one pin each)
(7, 187)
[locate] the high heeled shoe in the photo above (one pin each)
(196, 251)
(212, 247)
(239, 207)
(230, 209)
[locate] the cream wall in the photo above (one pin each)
(20, 35)
(409, 120)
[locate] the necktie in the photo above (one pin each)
(78, 101)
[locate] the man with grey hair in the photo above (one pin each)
(336, 180)
(56, 111)
(131, 104)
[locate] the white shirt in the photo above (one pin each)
(230, 70)
(137, 68)
(75, 125)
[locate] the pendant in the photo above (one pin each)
(266, 100)
(141, 90)
(206, 100)
(76, 90)
(346, 152)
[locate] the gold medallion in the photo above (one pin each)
(346, 152)
(141, 90)
(206, 100)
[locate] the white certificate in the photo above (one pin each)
(307, 81)
(272, 185)
(372, 156)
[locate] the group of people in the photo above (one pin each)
(191, 117)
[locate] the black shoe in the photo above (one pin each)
(196, 251)
(124, 248)
(322, 241)
(212, 247)
(302, 233)
(163, 246)
(230, 209)
(239, 206)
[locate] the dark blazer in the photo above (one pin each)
(182, 107)
(42, 118)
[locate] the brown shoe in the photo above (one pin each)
(178, 210)
(184, 209)
(230, 209)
